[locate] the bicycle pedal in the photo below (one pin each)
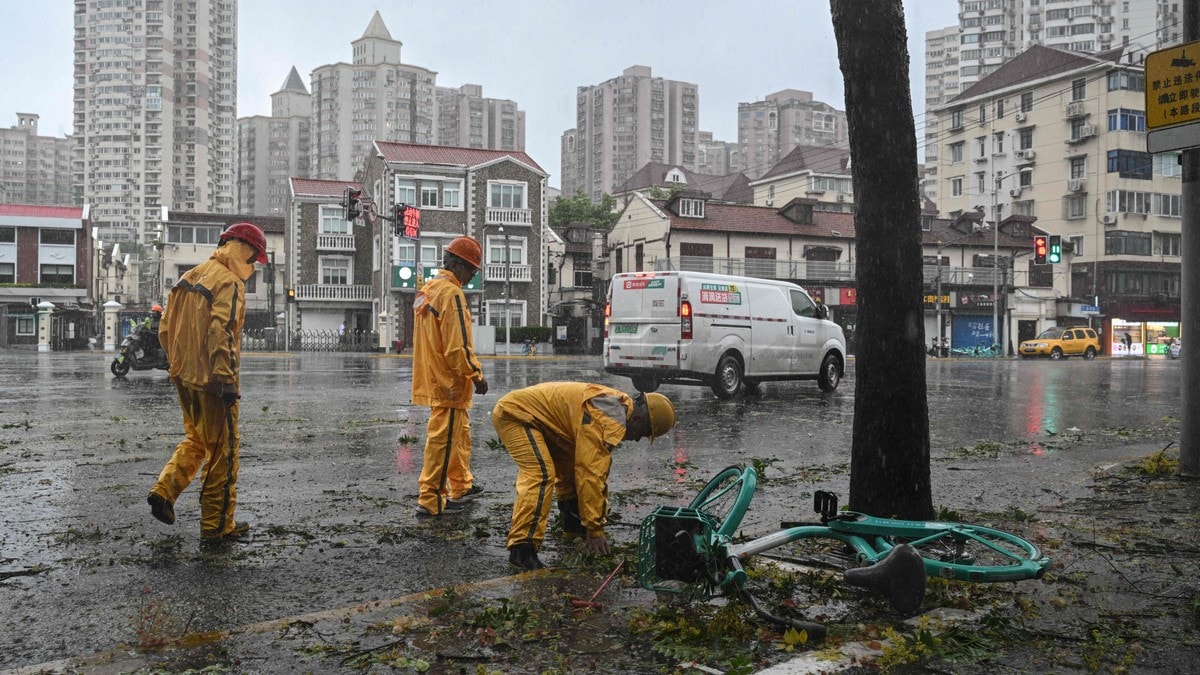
(826, 504)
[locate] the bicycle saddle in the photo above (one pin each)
(900, 576)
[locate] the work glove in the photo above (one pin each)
(596, 545)
(229, 394)
(481, 386)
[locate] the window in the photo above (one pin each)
(406, 192)
(1127, 243)
(451, 195)
(1025, 138)
(516, 251)
(333, 220)
(8, 273)
(956, 152)
(982, 113)
(1130, 164)
(1124, 119)
(1074, 207)
(506, 196)
(956, 119)
(1000, 109)
(980, 182)
(1079, 89)
(1076, 244)
(58, 274)
(802, 305)
(583, 278)
(956, 187)
(335, 271)
(1126, 80)
(406, 253)
(1167, 164)
(691, 208)
(1166, 205)
(26, 325)
(1077, 167)
(1027, 102)
(1127, 201)
(429, 196)
(8, 235)
(193, 234)
(1169, 243)
(57, 237)
(981, 146)
(1025, 178)
(998, 142)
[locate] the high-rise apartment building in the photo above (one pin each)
(155, 107)
(271, 149)
(468, 120)
(625, 123)
(769, 129)
(992, 32)
(34, 169)
(374, 98)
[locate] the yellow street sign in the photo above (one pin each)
(1173, 86)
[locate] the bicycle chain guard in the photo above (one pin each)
(826, 504)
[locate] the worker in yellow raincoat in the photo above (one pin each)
(446, 371)
(563, 433)
(201, 334)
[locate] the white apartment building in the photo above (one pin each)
(272, 149)
(155, 100)
(992, 32)
(34, 169)
(1060, 136)
(468, 120)
(625, 123)
(769, 129)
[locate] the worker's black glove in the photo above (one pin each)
(229, 394)
(568, 511)
(481, 386)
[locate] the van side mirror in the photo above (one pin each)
(822, 311)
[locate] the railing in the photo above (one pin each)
(332, 292)
(498, 216)
(762, 269)
(963, 276)
(497, 271)
(274, 340)
(335, 242)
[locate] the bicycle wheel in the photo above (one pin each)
(726, 498)
(975, 553)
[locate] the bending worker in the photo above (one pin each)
(201, 335)
(563, 433)
(446, 372)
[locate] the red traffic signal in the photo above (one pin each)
(1040, 249)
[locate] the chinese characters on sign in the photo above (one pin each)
(1173, 86)
(412, 223)
(720, 294)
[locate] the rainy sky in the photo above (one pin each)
(536, 52)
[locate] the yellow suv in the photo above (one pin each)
(1059, 343)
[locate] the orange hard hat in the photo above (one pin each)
(156, 308)
(252, 235)
(468, 249)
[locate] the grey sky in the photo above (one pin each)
(535, 52)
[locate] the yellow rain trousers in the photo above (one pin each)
(560, 433)
(201, 333)
(445, 369)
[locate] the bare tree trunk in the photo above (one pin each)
(889, 469)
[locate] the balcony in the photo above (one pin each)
(963, 276)
(499, 216)
(497, 272)
(335, 242)
(333, 293)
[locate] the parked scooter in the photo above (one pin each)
(139, 350)
(941, 349)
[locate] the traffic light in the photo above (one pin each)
(1055, 254)
(1040, 249)
(352, 202)
(291, 295)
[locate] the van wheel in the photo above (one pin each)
(645, 383)
(831, 373)
(728, 382)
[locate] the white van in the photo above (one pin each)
(722, 331)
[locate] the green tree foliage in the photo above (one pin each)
(581, 209)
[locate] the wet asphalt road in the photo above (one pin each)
(330, 456)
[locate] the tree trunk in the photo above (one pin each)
(889, 466)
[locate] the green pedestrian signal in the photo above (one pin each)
(1055, 253)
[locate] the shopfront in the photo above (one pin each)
(1142, 338)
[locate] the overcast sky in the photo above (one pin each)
(535, 52)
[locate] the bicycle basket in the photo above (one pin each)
(668, 559)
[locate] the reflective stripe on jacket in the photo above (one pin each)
(445, 366)
(583, 422)
(201, 327)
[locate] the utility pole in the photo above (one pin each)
(1189, 317)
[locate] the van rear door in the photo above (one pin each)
(643, 329)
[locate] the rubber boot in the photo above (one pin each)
(524, 557)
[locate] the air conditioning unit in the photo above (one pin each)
(1015, 192)
(1087, 131)
(1075, 109)
(1076, 184)
(1109, 219)
(841, 196)
(1020, 117)
(1026, 154)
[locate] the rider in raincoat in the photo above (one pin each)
(201, 334)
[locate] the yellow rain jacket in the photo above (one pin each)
(445, 366)
(200, 351)
(581, 423)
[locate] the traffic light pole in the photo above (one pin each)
(1189, 315)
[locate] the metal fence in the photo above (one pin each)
(275, 340)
